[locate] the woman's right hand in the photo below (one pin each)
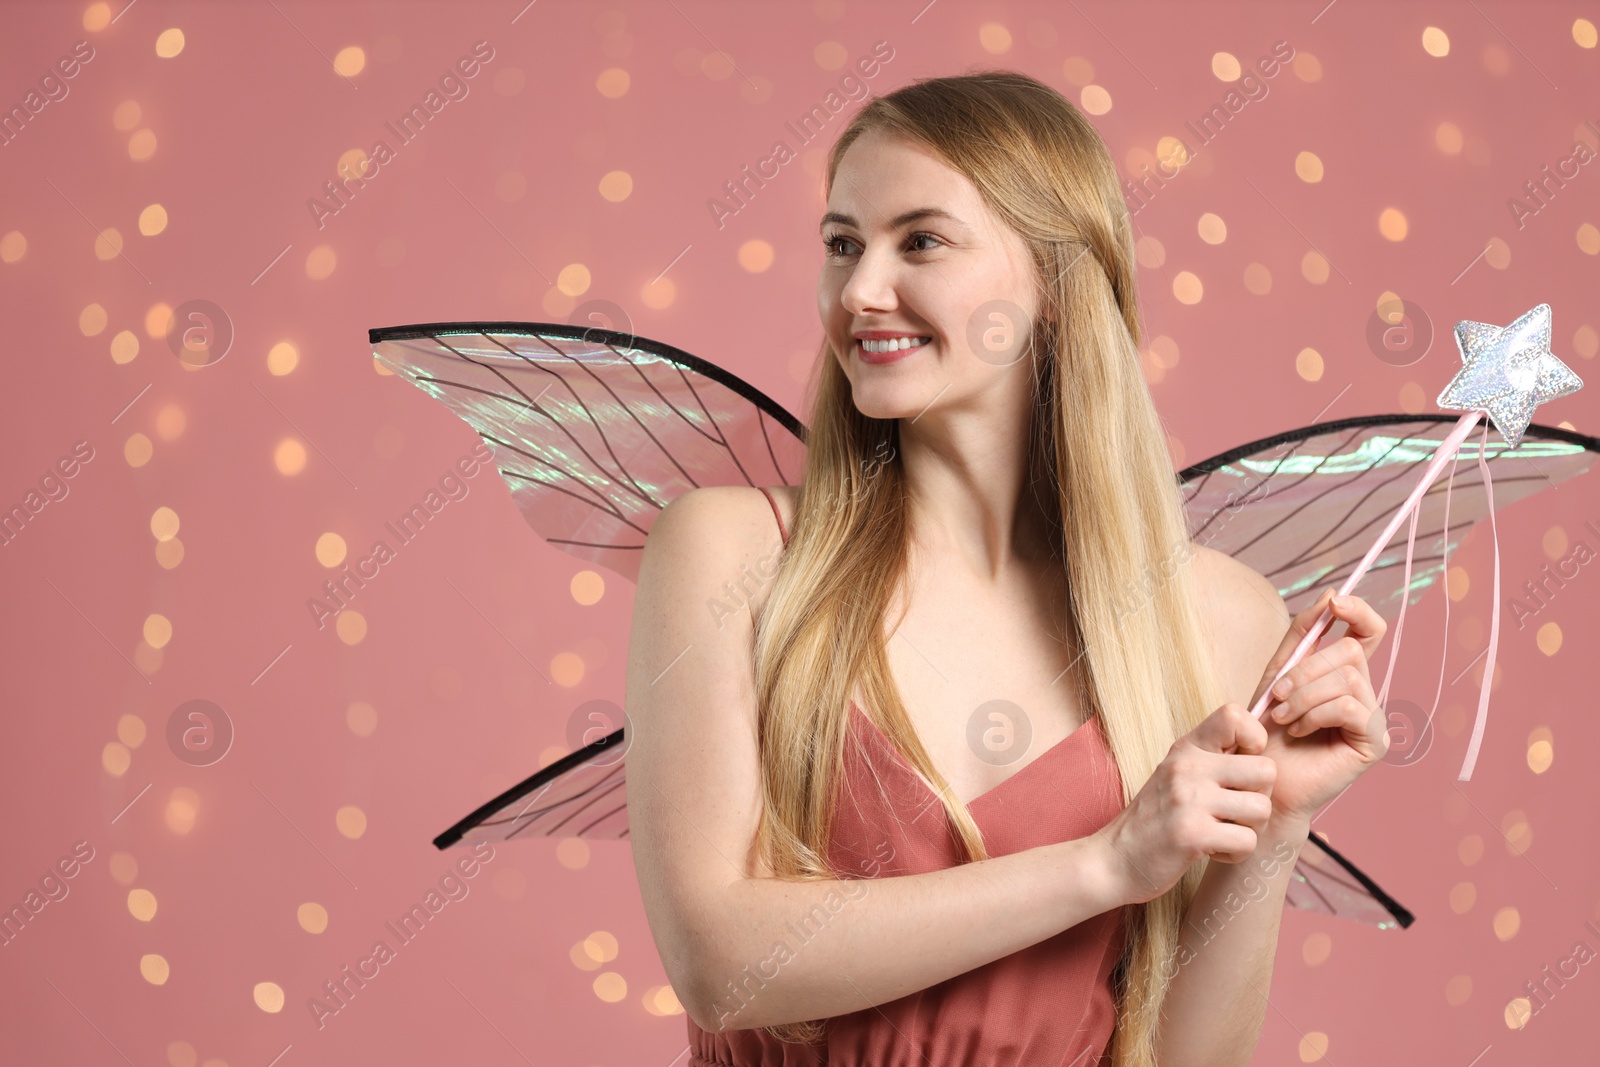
(1210, 796)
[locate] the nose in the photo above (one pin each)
(871, 285)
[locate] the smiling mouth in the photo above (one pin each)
(900, 350)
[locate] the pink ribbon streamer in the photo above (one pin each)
(1447, 451)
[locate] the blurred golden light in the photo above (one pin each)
(613, 83)
(289, 457)
(154, 969)
(169, 43)
(330, 549)
(1308, 364)
(658, 294)
(142, 904)
(1507, 921)
(1435, 42)
(91, 320)
(13, 246)
(610, 987)
(566, 669)
(572, 853)
(164, 523)
(615, 185)
(1212, 230)
(1225, 66)
(152, 220)
(994, 38)
(756, 256)
(362, 718)
(588, 587)
(183, 808)
(1392, 224)
(169, 553)
(1583, 32)
(131, 730)
(157, 320)
(1548, 638)
(320, 262)
(108, 244)
(268, 996)
(1187, 288)
(137, 450)
(124, 346)
(142, 145)
(313, 918)
(115, 759)
(282, 358)
(574, 279)
(349, 61)
(1308, 167)
(124, 868)
(126, 116)
(351, 626)
(1313, 1046)
(351, 821)
(157, 631)
(1095, 99)
(96, 17)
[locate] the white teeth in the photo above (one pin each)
(894, 345)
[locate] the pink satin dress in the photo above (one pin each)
(1050, 1003)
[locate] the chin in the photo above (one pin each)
(891, 400)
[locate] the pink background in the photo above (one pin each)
(478, 218)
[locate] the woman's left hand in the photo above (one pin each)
(1329, 729)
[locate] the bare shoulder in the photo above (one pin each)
(714, 535)
(1244, 615)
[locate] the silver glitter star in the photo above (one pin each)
(1508, 371)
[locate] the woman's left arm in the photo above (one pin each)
(1323, 733)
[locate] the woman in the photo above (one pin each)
(945, 793)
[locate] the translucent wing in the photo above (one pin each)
(594, 431)
(1303, 508)
(582, 794)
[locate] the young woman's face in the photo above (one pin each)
(959, 278)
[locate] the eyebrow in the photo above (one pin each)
(895, 223)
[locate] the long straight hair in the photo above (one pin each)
(1099, 461)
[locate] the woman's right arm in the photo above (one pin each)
(718, 917)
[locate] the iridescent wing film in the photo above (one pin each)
(594, 431)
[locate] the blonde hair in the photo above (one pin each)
(1098, 449)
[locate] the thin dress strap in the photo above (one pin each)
(781, 531)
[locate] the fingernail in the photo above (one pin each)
(1283, 686)
(1341, 601)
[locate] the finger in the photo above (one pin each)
(1241, 807)
(1360, 723)
(1231, 843)
(1229, 727)
(1243, 772)
(1299, 626)
(1345, 652)
(1348, 679)
(1361, 622)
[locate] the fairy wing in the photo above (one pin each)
(595, 431)
(1304, 507)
